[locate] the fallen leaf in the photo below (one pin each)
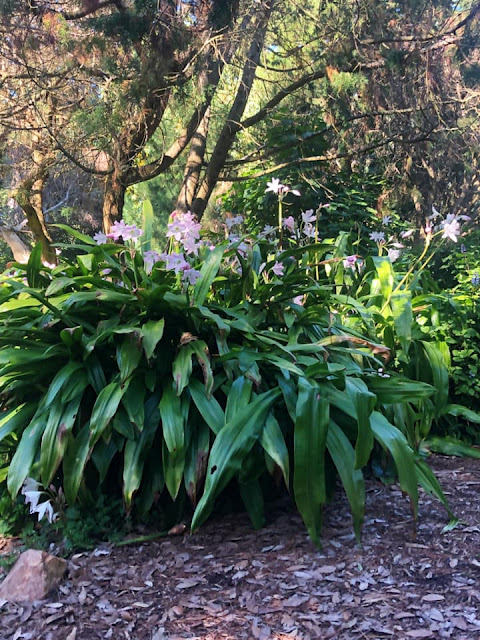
(419, 633)
(433, 597)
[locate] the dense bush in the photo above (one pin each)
(153, 379)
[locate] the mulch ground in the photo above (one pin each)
(230, 582)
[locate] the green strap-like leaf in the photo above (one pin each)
(238, 397)
(196, 461)
(343, 456)
(364, 402)
(273, 442)
(393, 441)
(208, 272)
(173, 425)
(134, 457)
(311, 427)
(152, 332)
(16, 419)
(105, 408)
(129, 354)
(231, 446)
(55, 437)
(401, 304)
(182, 367)
(74, 461)
(25, 454)
(209, 408)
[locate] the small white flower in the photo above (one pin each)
(377, 236)
(451, 229)
(100, 238)
(275, 186)
(278, 269)
(267, 230)
(386, 220)
(289, 223)
(309, 216)
(349, 262)
(309, 230)
(407, 234)
(45, 510)
(394, 254)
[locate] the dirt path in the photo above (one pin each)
(229, 582)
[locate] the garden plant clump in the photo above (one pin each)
(228, 358)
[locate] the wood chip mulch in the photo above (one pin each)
(230, 582)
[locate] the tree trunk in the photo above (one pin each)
(21, 251)
(29, 196)
(113, 200)
(232, 125)
(194, 164)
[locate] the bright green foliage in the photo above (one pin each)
(173, 390)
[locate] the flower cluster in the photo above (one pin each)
(185, 230)
(279, 189)
(31, 491)
(119, 231)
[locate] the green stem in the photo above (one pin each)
(412, 268)
(152, 536)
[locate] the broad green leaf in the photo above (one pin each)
(58, 285)
(209, 408)
(16, 419)
(252, 497)
(25, 454)
(459, 411)
(182, 367)
(238, 397)
(55, 437)
(201, 351)
(59, 381)
(152, 332)
(385, 274)
(208, 272)
(173, 425)
(86, 261)
(129, 354)
(273, 442)
(102, 456)
(343, 456)
(75, 385)
(123, 425)
(74, 461)
(153, 481)
(95, 372)
(398, 389)
(196, 461)
(401, 305)
(134, 401)
(427, 479)
(135, 454)
(452, 447)
(364, 403)
(231, 446)
(393, 441)
(105, 408)
(34, 266)
(76, 234)
(437, 357)
(147, 225)
(311, 427)
(290, 395)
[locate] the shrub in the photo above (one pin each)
(154, 379)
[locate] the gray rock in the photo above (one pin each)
(33, 576)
